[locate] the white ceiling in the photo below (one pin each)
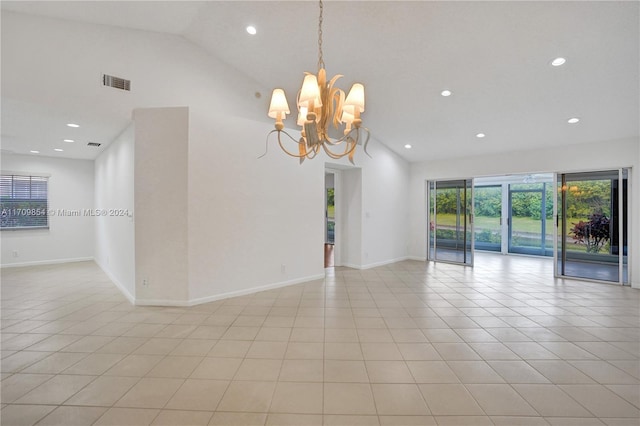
(494, 56)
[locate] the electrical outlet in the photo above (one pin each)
(15, 253)
(283, 268)
(145, 282)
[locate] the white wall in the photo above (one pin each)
(349, 217)
(69, 238)
(161, 204)
(251, 223)
(114, 244)
(385, 201)
(596, 156)
(249, 217)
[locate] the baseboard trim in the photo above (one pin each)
(117, 282)
(162, 302)
(418, 258)
(227, 295)
(46, 262)
(351, 265)
(376, 264)
(252, 290)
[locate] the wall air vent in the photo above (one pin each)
(95, 144)
(116, 82)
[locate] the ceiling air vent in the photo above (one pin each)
(116, 82)
(96, 144)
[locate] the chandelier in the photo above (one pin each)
(321, 106)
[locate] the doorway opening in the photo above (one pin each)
(514, 214)
(329, 220)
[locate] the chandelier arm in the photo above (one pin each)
(330, 154)
(282, 146)
(336, 142)
(351, 144)
(302, 151)
(334, 157)
(286, 133)
(310, 154)
(345, 138)
(313, 152)
(349, 148)
(266, 148)
(338, 156)
(366, 141)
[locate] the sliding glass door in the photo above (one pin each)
(592, 225)
(450, 211)
(530, 218)
(487, 217)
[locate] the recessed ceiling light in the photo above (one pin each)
(252, 30)
(446, 93)
(58, 149)
(573, 120)
(558, 61)
(408, 146)
(69, 140)
(480, 135)
(33, 151)
(73, 125)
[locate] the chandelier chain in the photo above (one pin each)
(321, 105)
(320, 59)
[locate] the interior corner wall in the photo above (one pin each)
(115, 233)
(605, 155)
(376, 207)
(349, 220)
(634, 225)
(70, 235)
(385, 200)
(161, 205)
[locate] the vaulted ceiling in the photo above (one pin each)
(493, 56)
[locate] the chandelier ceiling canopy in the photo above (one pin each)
(322, 109)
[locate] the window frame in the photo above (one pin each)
(39, 178)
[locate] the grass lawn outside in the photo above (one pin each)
(520, 224)
(523, 224)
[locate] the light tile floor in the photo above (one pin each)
(405, 344)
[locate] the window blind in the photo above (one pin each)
(24, 202)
